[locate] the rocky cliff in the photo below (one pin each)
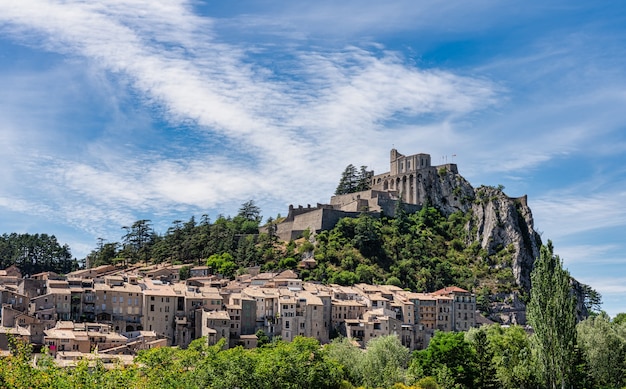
(497, 221)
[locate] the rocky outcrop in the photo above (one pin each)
(443, 188)
(497, 221)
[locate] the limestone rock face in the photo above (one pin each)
(444, 189)
(497, 222)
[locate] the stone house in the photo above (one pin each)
(214, 325)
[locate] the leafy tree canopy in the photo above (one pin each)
(35, 253)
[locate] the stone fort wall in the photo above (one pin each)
(402, 182)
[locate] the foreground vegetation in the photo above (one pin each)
(489, 357)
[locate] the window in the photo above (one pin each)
(287, 324)
(151, 307)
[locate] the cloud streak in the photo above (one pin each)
(269, 122)
(580, 213)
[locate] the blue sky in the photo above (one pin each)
(119, 110)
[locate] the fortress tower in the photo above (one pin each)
(405, 176)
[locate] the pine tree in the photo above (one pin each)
(353, 180)
(348, 181)
(552, 314)
(363, 179)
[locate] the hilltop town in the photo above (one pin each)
(121, 311)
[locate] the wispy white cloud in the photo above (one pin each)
(571, 214)
(608, 285)
(277, 130)
(596, 254)
(367, 18)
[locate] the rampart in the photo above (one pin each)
(323, 217)
(404, 182)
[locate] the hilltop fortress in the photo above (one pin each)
(411, 179)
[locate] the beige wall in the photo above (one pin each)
(159, 314)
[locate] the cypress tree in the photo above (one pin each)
(552, 314)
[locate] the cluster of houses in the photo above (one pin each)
(116, 312)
